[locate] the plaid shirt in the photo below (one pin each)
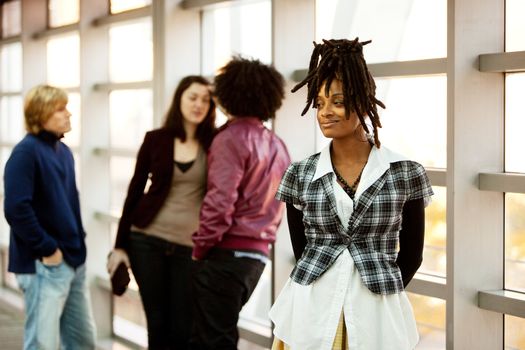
(373, 229)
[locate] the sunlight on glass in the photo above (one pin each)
(121, 170)
(63, 61)
(514, 25)
(430, 317)
(130, 115)
(72, 138)
(131, 52)
(415, 119)
(434, 254)
(515, 241)
(11, 18)
(129, 320)
(417, 29)
(63, 12)
(238, 29)
(514, 123)
(257, 308)
(11, 67)
(514, 335)
(12, 125)
(125, 5)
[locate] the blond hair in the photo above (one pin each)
(40, 104)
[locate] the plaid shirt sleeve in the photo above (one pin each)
(288, 190)
(419, 183)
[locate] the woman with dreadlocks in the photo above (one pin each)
(356, 219)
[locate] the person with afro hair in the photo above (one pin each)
(239, 216)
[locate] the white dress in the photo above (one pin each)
(306, 317)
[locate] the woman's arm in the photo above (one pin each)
(296, 227)
(411, 239)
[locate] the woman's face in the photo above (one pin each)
(331, 113)
(195, 103)
(58, 123)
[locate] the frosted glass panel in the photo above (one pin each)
(11, 18)
(72, 138)
(63, 61)
(514, 123)
(121, 170)
(430, 317)
(515, 241)
(131, 115)
(125, 5)
(400, 30)
(415, 118)
(237, 29)
(514, 25)
(131, 52)
(63, 12)
(11, 119)
(11, 68)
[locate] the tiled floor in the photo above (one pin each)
(12, 328)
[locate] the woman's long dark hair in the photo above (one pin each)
(343, 60)
(174, 119)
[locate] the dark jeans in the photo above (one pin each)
(222, 284)
(162, 271)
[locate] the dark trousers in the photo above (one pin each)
(162, 271)
(222, 284)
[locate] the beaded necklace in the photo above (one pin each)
(350, 190)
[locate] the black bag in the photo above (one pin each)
(120, 279)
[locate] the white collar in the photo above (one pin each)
(379, 161)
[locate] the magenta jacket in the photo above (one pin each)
(246, 162)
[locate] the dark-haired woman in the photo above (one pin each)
(349, 209)
(154, 232)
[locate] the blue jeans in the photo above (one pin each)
(58, 312)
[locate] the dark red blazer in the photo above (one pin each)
(155, 162)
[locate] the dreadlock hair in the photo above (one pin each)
(249, 88)
(343, 60)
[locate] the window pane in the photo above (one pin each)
(434, 255)
(11, 119)
(63, 61)
(409, 30)
(11, 68)
(430, 317)
(514, 335)
(254, 314)
(11, 18)
(121, 170)
(131, 115)
(63, 12)
(514, 122)
(131, 52)
(415, 118)
(124, 5)
(514, 25)
(237, 29)
(515, 241)
(72, 138)
(129, 321)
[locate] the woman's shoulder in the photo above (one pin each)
(305, 166)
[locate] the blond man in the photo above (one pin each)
(47, 251)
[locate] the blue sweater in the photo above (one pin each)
(41, 203)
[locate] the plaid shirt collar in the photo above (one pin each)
(378, 162)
